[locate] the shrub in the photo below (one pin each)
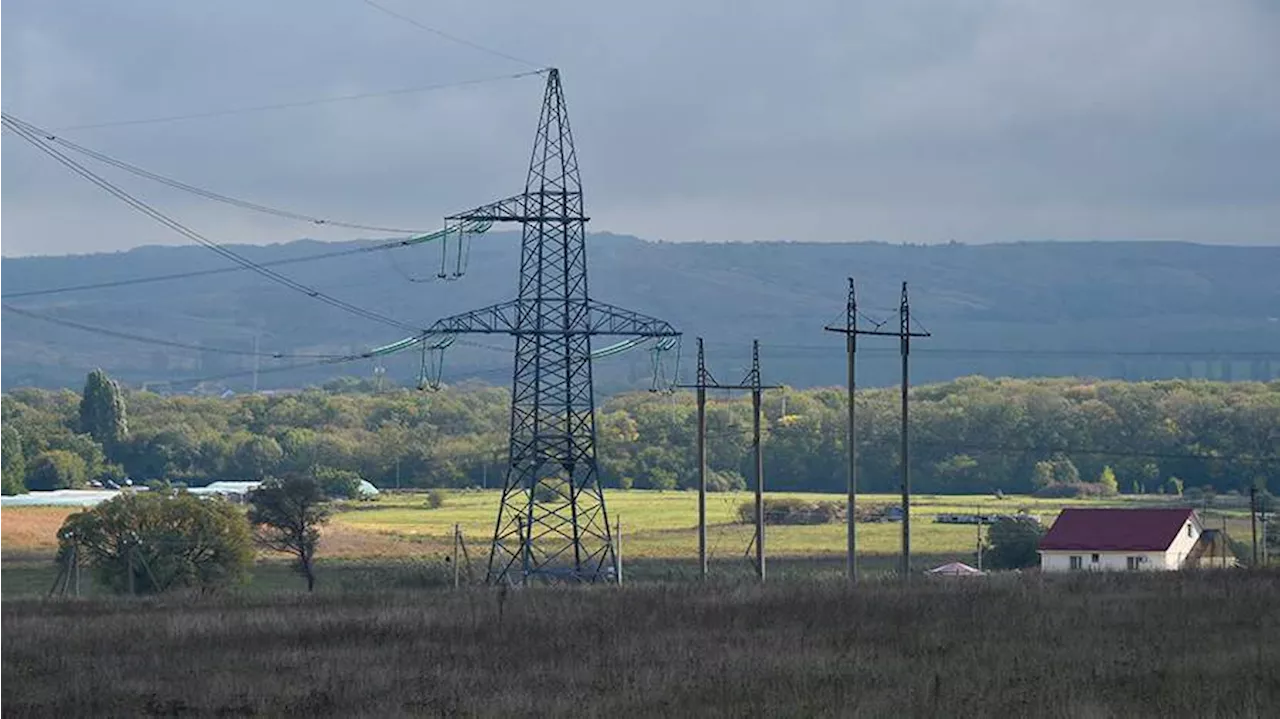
(1014, 543)
(792, 511)
(338, 483)
(57, 469)
(435, 499)
(1072, 490)
(153, 541)
(553, 491)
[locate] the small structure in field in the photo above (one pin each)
(1130, 540)
(956, 569)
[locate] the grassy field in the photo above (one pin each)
(662, 525)
(1201, 644)
(407, 539)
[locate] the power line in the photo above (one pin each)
(394, 244)
(155, 341)
(978, 352)
(209, 194)
(1013, 449)
(452, 38)
(294, 104)
(22, 131)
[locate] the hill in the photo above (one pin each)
(1107, 309)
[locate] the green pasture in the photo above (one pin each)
(663, 525)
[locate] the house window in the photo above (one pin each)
(1094, 559)
(1189, 533)
(1133, 563)
(1077, 562)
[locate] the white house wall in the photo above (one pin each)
(1060, 561)
(1172, 558)
(1181, 546)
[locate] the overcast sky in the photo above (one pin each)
(824, 120)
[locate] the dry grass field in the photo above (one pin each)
(1198, 645)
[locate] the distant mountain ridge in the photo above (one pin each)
(1109, 309)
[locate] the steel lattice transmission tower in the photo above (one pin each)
(552, 522)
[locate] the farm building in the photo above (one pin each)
(1130, 540)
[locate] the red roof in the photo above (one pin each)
(1115, 530)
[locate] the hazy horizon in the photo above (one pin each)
(988, 121)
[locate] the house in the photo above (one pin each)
(1147, 539)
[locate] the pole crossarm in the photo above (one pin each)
(525, 207)
(517, 317)
(880, 333)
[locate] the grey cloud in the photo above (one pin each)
(984, 120)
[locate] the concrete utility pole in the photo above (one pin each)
(1253, 520)
(904, 327)
(702, 460)
(756, 392)
(751, 382)
(904, 334)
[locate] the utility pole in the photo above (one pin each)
(456, 535)
(256, 360)
(979, 542)
(904, 328)
(851, 332)
(552, 480)
(617, 548)
(702, 460)
(1253, 520)
(756, 392)
(753, 383)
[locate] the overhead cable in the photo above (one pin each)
(210, 194)
(452, 38)
(156, 341)
(295, 104)
(22, 130)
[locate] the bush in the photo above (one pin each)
(554, 491)
(338, 483)
(153, 542)
(792, 511)
(57, 469)
(1014, 544)
(435, 499)
(1072, 490)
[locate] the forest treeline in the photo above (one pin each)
(970, 435)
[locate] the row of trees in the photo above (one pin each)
(971, 435)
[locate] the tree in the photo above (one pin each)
(1108, 481)
(1175, 486)
(13, 466)
(147, 542)
(102, 412)
(256, 457)
(287, 514)
(1014, 544)
(338, 483)
(56, 469)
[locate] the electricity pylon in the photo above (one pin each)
(552, 523)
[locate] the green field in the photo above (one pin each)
(397, 541)
(663, 525)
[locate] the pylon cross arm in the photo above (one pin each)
(598, 319)
(534, 206)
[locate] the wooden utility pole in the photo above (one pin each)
(456, 536)
(617, 548)
(751, 382)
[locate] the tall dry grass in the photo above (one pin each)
(1202, 645)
